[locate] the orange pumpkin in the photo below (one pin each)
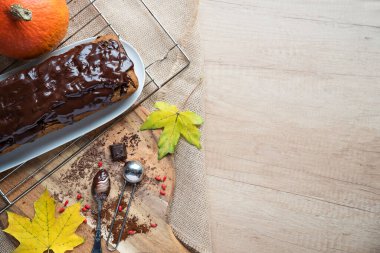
(29, 28)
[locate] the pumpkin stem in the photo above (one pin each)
(20, 13)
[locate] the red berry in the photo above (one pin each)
(120, 208)
(162, 193)
(153, 225)
(79, 196)
(158, 178)
(164, 179)
(84, 209)
(66, 203)
(100, 164)
(61, 210)
(131, 232)
(85, 221)
(163, 186)
(87, 206)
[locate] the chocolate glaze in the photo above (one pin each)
(81, 80)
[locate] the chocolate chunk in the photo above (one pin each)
(118, 152)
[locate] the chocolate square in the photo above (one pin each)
(118, 152)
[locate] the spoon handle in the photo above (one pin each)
(98, 239)
(109, 246)
(126, 215)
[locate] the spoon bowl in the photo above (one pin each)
(101, 185)
(133, 172)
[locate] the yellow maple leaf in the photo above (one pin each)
(46, 232)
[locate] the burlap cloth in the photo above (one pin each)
(188, 214)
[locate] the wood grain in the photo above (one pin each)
(147, 205)
(293, 124)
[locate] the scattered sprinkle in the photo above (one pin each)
(131, 232)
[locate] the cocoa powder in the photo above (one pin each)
(133, 222)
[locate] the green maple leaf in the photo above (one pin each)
(175, 124)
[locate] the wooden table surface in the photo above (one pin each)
(293, 124)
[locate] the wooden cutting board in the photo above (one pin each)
(149, 206)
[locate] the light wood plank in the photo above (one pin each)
(293, 124)
(268, 220)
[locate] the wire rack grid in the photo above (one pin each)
(20, 180)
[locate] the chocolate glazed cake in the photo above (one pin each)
(63, 89)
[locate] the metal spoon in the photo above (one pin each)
(133, 174)
(100, 189)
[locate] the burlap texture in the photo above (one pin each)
(188, 214)
(6, 245)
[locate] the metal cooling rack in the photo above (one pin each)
(32, 173)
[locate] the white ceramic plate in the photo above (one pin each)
(55, 139)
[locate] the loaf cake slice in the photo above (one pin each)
(64, 89)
